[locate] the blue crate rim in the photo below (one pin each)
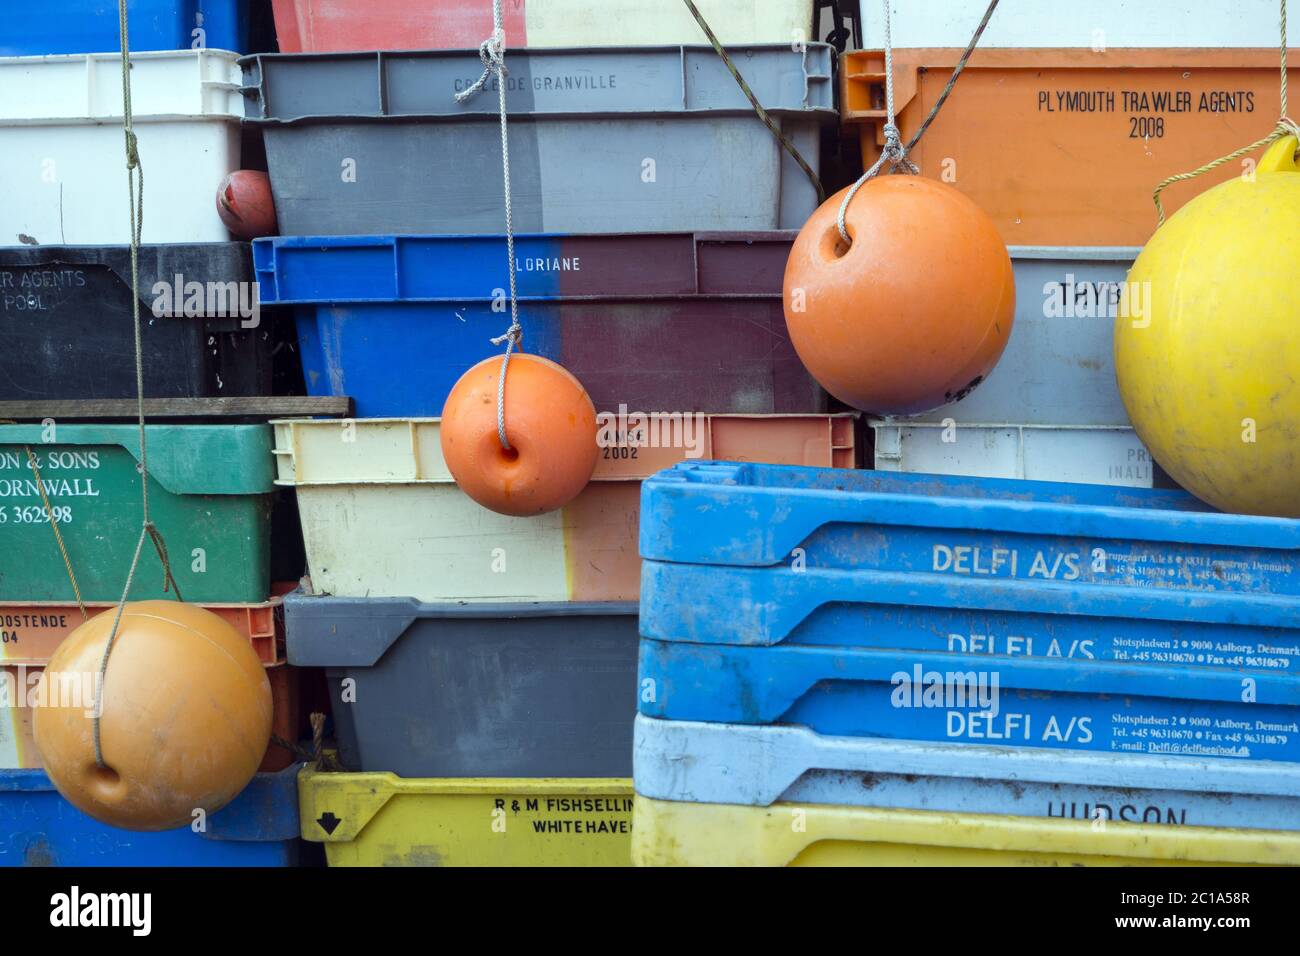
(800, 750)
(724, 485)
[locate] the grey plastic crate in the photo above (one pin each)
(1059, 365)
(640, 139)
(474, 690)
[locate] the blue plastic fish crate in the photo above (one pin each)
(973, 566)
(91, 26)
(394, 321)
(40, 828)
(758, 766)
(1027, 702)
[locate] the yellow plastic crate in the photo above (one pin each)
(378, 819)
(706, 834)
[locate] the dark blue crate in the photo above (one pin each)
(91, 26)
(40, 828)
(1080, 705)
(394, 321)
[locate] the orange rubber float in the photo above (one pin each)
(551, 427)
(186, 716)
(916, 312)
(245, 205)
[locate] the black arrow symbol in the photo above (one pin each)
(329, 822)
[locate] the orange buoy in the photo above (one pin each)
(915, 313)
(551, 427)
(245, 205)
(186, 716)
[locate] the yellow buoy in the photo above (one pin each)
(1207, 345)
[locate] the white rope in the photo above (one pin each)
(894, 152)
(492, 53)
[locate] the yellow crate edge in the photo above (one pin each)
(362, 795)
(665, 833)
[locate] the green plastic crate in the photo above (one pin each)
(209, 495)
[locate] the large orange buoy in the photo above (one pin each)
(245, 204)
(186, 716)
(551, 427)
(915, 313)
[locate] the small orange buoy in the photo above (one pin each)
(915, 313)
(245, 205)
(551, 427)
(186, 716)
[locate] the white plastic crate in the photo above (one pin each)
(1093, 455)
(62, 156)
(1112, 23)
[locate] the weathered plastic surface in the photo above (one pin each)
(39, 828)
(91, 26)
(637, 139)
(320, 26)
(972, 529)
(65, 316)
(450, 690)
(209, 495)
(434, 543)
(1059, 364)
(1093, 455)
(379, 819)
(30, 633)
(393, 322)
(61, 148)
(666, 833)
(758, 766)
(959, 614)
(381, 530)
(19, 684)
(1012, 701)
(409, 450)
(1120, 116)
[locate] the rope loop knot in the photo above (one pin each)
(514, 335)
(492, 52)
(132, 150)
(895, 153)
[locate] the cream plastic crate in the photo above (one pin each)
(382, 517)
(61, 147)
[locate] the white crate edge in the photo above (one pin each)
(1010, 450)
(86, 88)
(1098, 23)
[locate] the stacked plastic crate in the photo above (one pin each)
(68, 364)
(928, 669)
(884, 668)
(483, 666)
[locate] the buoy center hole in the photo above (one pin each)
(834, 246)
(106, 780)
(510, 455)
